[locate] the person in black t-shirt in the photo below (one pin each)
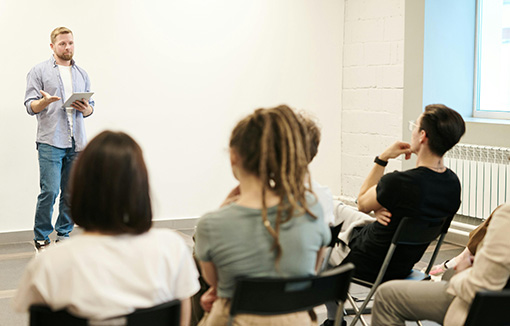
(430, 190)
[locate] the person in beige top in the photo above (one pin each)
(448, 303)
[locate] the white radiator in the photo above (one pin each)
(484, 174)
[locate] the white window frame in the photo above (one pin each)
(479, 113)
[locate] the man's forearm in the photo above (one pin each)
(367, 198)
(39, 105)
(372, 179)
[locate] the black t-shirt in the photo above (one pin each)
(416, 192)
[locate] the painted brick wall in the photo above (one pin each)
(372, 86)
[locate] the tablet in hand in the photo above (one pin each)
(77, 97)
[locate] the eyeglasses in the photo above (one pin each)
(412, 125)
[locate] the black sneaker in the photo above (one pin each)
(41, 245)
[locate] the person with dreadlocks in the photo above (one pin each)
(275, 228)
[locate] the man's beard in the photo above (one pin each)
(65, 56)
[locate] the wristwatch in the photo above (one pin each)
(380, 162)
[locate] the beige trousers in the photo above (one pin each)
(220, 312)
(398, 301)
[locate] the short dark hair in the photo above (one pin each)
(110, 186)
(444, 127)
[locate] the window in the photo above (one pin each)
(492, 82)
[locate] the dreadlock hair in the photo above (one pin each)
(313, 132)
(273, 145)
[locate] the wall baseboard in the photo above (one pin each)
(458, 233)
(28, 235)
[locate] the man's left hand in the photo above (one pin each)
(82, 106)
(383, 216)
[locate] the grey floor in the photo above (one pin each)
(14, 257)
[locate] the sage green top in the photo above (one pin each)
(236, 241)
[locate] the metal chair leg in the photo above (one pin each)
(364, 305)
(339, 314)
(357, 311)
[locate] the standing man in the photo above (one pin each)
(60, 131)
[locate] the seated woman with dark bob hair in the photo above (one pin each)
(119, 263)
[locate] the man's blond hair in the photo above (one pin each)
(57, 31)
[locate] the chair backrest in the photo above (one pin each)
(410, 231)
(165, 314)
(335, 231)
(42, 315)
(168, 313)
(420, 230)
(413, 231)
(274, 296)
(490, 308)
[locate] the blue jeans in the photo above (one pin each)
(54, 169)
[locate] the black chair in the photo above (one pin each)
(335, 231)
(411, 231)
(276, 296)
(165, 314)
(490, 308)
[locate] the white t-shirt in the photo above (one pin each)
(99, 276)
(67, 80)
(325, 198)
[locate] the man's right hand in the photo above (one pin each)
(395, 150)
(41, 104)
(48, 98)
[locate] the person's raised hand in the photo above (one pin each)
(396, 149)
(48, 98)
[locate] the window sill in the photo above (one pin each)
(487, 120)
(487, 132)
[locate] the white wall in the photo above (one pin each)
(176, 75)
(372, 86)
